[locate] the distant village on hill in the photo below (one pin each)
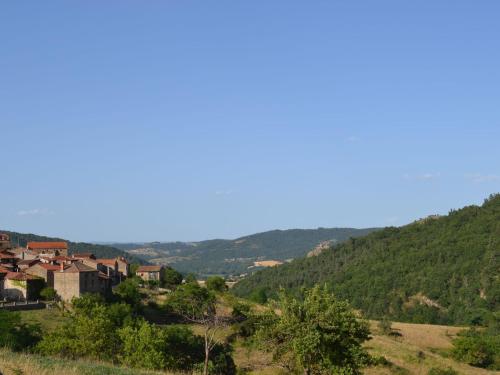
(25, 271)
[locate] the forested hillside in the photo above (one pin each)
(437, 270)
(100, 251)
(233, 257)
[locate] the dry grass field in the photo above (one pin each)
(417, 349)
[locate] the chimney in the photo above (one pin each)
(62, 267)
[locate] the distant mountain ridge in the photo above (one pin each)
(100, 251)
(239, 256)
(442, 269)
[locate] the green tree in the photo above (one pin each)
(48, 294)
(198, 305)
(91, 331)
(190, 278)
(16, 335)
(478, 349)
(316, 335)
(171, 278)
(142, 346)
(128, 292)
(216, 284)
(133, 268)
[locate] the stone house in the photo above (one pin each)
(4, 241)
(110, 268)
(26, 263)
(23, 253)
(6, 258)
(83, 256)
(77, 279)
(150, 273)
(44, 271)
(48, 248)
(19, 286)
(123, 266)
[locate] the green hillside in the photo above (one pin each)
(234, 257)
(100, 251)
(437, 270)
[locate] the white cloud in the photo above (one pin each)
(480, 178)
(422, 176)
(35, 212)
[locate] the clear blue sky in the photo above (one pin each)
(183, 120)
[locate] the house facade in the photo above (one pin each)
(75, 280)
(4, 242)
(24, 271)
(48, 248)
(150, 273)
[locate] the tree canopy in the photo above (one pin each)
(316, 335)
(435, 270)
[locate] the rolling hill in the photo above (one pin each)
(436, 270)
(100, 251)
(239, 256)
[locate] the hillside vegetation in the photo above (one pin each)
(100, 251)
(234, 257)
(437, 270)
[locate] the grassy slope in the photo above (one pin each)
(24, 364)
(420, 348)
(431, 340)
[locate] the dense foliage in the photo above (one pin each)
(113, 332)
(100, 251)
(16, 335)
(316, 335)
(436, 270)
(480, 347)
(233, 257)
(198, 305)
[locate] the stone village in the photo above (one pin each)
(24, 271)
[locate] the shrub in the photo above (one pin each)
(478, 348)
(48, 294)
(216, 284)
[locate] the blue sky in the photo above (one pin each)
(184, 120)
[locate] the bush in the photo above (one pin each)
(216, 284)
(128, 292)
(48, 294)
(16, 335)
(171, 278)
(385, 326)
(478, 348)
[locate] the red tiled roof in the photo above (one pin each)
(3, 270)
(28, 261)
(7, 255)
(109, 262)
(50, 267)
(83, 255)
(19, 276)
(79, 267)
(149, 268)
(47, 245)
